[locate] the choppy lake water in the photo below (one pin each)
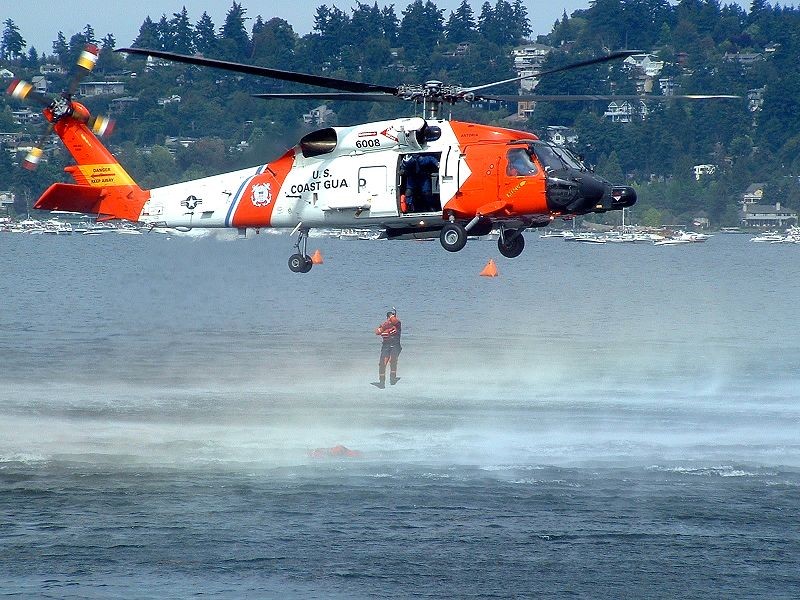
(597, 421)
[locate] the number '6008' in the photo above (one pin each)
(368, 143)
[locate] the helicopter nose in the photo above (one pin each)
(594, 190)
(622, 197)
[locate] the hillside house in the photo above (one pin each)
(320, 115)
(528, 60)
(619, 112)
(768, 216)
(645, 63)
(49, 69)
(560, 135)
(39, 83)
(101, 88)
(753, 194)
(701, 170)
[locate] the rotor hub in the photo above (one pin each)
(61, 107)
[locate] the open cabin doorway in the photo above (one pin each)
(418, 183)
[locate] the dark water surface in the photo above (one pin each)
(599, 421)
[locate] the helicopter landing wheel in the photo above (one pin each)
(453, 237)
(511, 244)
(299, 263)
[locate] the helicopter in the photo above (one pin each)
(478, 178)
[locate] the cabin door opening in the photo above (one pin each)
(418, 177)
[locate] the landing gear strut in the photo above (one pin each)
(511, 243)
(300, 261)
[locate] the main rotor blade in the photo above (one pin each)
(85, 65)
(23, 90)
(34, 156)
(610, 97)
(318, 80)
(377, 97)
(577, 65)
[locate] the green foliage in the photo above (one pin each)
(368, 42)
(12, 44)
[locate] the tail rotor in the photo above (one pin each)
(61, 106)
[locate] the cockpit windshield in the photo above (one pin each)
(569, 158)
(556, 158)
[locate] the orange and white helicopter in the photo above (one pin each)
(372, 175)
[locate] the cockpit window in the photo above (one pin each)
(520, 163)
(547, 157)
(556, 158)
(569, 158)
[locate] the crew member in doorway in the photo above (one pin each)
(418, 170)
(389, 331)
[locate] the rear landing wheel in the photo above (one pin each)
(511, 244)
(299, 263)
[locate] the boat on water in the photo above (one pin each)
(683, 237)
(672, 242)
(768, 238)
(790, 236)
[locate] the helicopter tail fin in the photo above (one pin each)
(102, 187)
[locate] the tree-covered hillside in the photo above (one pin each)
(705, 47)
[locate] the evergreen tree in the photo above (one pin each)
(331, 35)
(182, 33)
(61, 49)
(421, 29)
(109, 60)
(165, 38)
(499, 25)
(390, 24)
(88, 34)
(205, 38)
(31, 59)
(148, 36)
(486, 20)
(274, 44)
(461, 24)
(258, 25)
(12, 45)
(522, 23)
(234, 42)
(363, 22)
(76, 45)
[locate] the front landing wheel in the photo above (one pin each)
(299, 263)
(513, 245)
(453, 237)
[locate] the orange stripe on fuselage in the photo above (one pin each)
(257, 200)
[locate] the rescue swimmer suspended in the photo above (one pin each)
(486, 177)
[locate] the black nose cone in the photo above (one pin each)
(622, 197)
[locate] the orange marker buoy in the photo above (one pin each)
(316, 258)
(490, 270)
